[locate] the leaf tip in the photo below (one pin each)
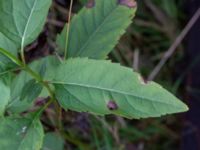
(185, 108)
(128, 3)
(182, 107)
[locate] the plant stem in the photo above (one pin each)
(39, 79)
(68, 28)
(45, 84)
(44, 107)
(22, 55)
(11, 57)
(74, 141)
(29, 70)
(60, 125)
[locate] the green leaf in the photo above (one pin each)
(96, 29)
(23, 20)
(21, 134)
(5, 43)
(52, 141)
(7, 78)
(44, 67)
(4, 97)
(101, 87)
(11, 57)
(31, 91)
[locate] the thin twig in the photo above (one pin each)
(61, 9)
(136, 60)
(173, 47)
(149, 24)
(55, 22)
(105, 124)
(68, 28)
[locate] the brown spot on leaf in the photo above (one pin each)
(143, 81)
(128, 3)
(90, 4)
(112, 105)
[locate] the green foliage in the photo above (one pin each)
(30, 91)
(23, 20)
(81, 87)
(21, 133)
(5, 43)
(80, 84)
(5, 95)
(92, 33)
(21, 100)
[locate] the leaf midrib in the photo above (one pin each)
(92, 108)
(110, 90)
(96, 30)
(28, 22)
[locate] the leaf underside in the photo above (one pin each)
(101, 87)
(96, 30)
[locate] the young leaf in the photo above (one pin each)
(30, 91)
(4, 97)
(21, 134)
(101, 87)
(45, 67)
(23, 20)
(97, 28)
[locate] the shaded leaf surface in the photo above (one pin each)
(4, 97)
(30, 91)
(96, 86)
(21, 134)
(45, 67)
(95, 31)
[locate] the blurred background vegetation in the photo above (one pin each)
(155, 28)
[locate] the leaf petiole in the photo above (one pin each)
(68, 28)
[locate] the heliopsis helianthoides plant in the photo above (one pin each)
(79, 79)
